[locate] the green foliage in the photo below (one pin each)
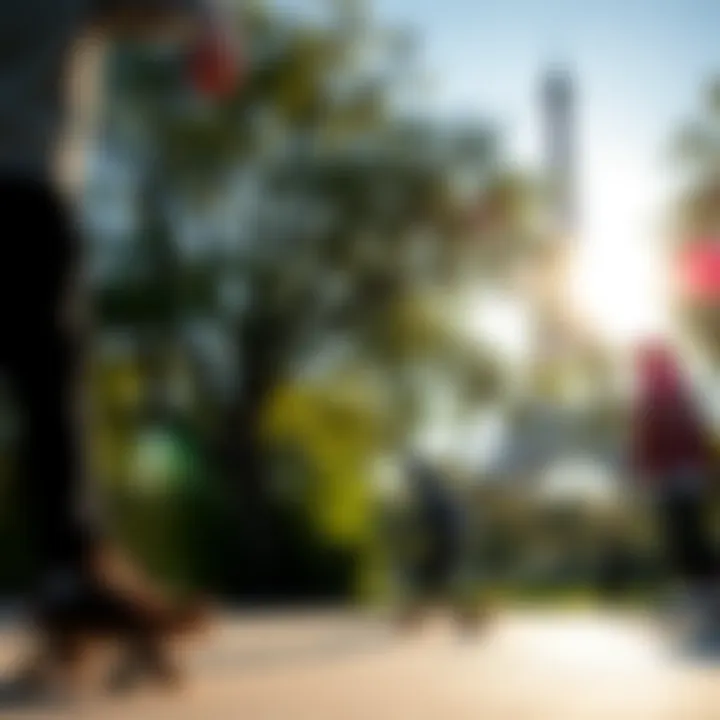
(338, 439)
(374, 181)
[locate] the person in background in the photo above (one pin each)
(616, 567)
(441, 528)
(85, 584)
(672, 458)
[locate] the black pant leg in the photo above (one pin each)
(687, 539)
(43, 350)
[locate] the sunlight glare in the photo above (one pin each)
(614, 284)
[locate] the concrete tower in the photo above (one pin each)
(558, 101)
(554, 336)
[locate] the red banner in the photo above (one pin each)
(698, 271)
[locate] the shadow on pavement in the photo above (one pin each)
(16, 696)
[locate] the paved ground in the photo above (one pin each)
(529, 666)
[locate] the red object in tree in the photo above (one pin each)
(698, 271)
(215, 66)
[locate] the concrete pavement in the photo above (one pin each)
(529, 666)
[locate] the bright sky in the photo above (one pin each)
(640, 66)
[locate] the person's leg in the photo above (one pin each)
(46, 375)
(689, 550)
(699, 556)
(43, 352)
(86, 588)
(420, 588)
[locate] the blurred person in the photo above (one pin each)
(672, 457)
(86, 588)
(616, 566)
(435, 569)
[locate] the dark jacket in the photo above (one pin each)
(440, 512)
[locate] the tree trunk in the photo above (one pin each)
(158, 341)
(261, 338)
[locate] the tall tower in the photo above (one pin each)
(554, 334)
(558, 101)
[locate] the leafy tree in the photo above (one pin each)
(309, 224)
